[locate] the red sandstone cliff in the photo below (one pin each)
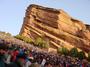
(57, 27)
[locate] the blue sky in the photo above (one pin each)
(13, 11)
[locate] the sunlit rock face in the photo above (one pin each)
(56, 27)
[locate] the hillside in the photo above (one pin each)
(6, 39)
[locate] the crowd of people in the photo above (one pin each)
(19, 56)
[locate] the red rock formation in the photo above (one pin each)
(57, 27)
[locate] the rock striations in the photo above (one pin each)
(56, 27)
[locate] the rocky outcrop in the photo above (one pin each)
(88, 27)
(57, 27)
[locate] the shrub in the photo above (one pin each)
(81, 55)
(74, 52)
(19, 37)
(24, 38)
(27, 40)
(63, 50)
(41, 43)
(38, 41)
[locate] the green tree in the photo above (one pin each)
(64, 51)
(81, 55)
(74, 52)
(38, 41)
(27, 40)
(41, 43)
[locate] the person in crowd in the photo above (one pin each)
(20, 56)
